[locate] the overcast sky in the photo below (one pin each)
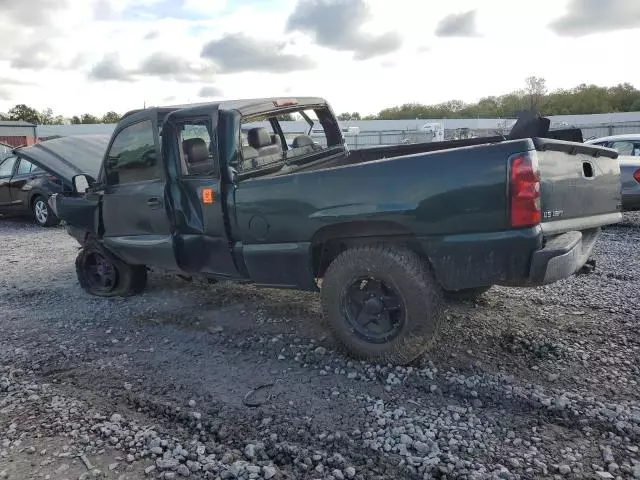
(78, 56)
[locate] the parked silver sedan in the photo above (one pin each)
(628, 146)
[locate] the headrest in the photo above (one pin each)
(275, 140)
(195, 150)
(259, 137)
(302, 141)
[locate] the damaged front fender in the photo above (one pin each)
(81, 213)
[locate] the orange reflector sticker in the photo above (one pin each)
(207, 195)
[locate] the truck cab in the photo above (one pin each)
(166, 190)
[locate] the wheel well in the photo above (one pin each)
(331, 241)
(33, 198)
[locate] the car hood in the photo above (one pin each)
(68, 156)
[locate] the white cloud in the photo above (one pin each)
(155, 56)
(205, 7)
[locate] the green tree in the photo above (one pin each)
(346, 116)
(24, 113)
(513, 103)
(88, 118)
(582, 99)
(75, 120)
(110, 117)
(536, 89)
(623, 97)
(47, 117)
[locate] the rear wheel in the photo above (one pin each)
(382, 303)
(103, 275)
(41, 212)
(466, 293)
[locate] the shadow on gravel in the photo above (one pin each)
(25, 221)
(273, 302)
(629, 220)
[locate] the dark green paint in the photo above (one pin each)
(451, 205)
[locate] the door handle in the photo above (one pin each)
(154, 202)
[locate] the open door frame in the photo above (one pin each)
(200, 231)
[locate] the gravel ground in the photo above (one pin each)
(233, 382)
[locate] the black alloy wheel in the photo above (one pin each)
(103, 274)
(382, 303)
(374, 310)
(100, 273)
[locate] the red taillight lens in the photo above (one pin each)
(524, 191)
(636, 175)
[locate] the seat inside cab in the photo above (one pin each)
(197, 157)
(264, 143)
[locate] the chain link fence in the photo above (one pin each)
(398, 137)
(605, 130)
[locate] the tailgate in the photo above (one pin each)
(579, 185)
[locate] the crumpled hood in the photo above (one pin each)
(68, 156)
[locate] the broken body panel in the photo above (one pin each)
(68, 156)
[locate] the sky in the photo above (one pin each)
(94, 56)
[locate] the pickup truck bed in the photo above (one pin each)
(452, 203)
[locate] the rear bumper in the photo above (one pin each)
(631, 200)
(562, 256)
(513, 258)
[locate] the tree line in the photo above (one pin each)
(47, 117)
(582, 99)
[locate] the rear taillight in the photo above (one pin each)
(636, 175)
(524, 190)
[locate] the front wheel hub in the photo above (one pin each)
(41, 211)
(100, 272)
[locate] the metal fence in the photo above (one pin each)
(397, 137)
(372, 139)
(605, 130)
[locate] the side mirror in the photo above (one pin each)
(82, 182)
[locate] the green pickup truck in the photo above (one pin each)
(221, 190)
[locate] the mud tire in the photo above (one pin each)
(403, 272)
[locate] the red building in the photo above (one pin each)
(17, 133)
